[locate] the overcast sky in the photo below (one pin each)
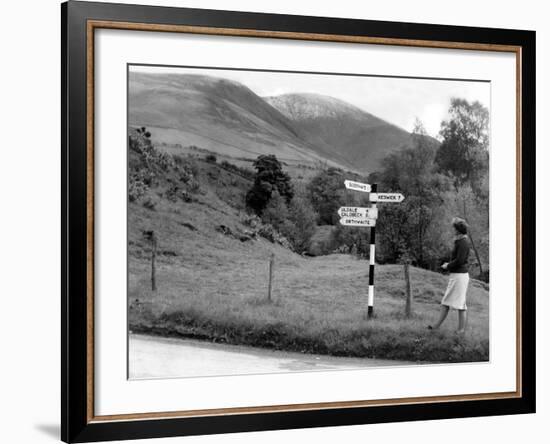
(397, 100)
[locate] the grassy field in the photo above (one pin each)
(217, 289)
(212, 284)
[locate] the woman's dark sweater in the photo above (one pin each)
(459, 256)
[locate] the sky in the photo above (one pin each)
(397, 100)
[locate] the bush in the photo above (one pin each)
(193, 186)
(296, 222)
(211, 158)
(173, 193)
(276, 212)
(303, 218)
(150, 203)
(136, 188)
(186, 163)
(164, 160)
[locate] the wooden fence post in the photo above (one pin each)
(408, 303)
(151, 236)
(271, 264)
(153, 264)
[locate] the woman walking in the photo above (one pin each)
(455, 295)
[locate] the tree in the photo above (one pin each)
(464, 154)
(303, 218)
(296, 222)
(276, 212)
(326, 191)
(463, 202)
(404, 228)
(269, 177)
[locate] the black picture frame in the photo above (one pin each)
(77, 425)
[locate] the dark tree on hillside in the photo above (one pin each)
(464, 153)
(269, 177)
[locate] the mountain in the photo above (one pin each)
(337, 126)
(219, 115)
(226, 117)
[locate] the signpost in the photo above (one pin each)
(386, 197)
(357, 186)
(366, 217)
(362, 212)
(357, 222)
(372, 255)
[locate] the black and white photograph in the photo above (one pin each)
(263, 222)
(294, 222)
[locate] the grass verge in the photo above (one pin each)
(319, 306)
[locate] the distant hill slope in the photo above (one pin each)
(337, 126)
(216, 114)
(227, 117)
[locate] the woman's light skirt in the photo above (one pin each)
(455, 295)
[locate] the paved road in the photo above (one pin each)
(155, 357)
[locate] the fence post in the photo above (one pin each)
(271, 264)
(408, 303)
(151, 236)
(153, 264)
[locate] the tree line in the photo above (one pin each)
(440, 179)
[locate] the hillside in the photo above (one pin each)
(226, 117)
(361, 138)
(219, 115)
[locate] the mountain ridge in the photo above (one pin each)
(227, 117)
(361, 137)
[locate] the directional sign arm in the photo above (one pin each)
(357, 186)
(357, 222)
(386, 197)
(363, 212)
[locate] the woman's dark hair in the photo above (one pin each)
(460, 225)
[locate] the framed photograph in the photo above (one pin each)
(275, 221)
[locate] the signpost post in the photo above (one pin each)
(372, 253)
(366, 217)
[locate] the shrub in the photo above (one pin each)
(150, 203)
(276, 212)
(211, 158)
(173, 193)
(193, 186)
(303, 218)
(164, 160)
(136, 188)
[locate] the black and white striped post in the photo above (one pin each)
(366, 217)
(372, 255)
